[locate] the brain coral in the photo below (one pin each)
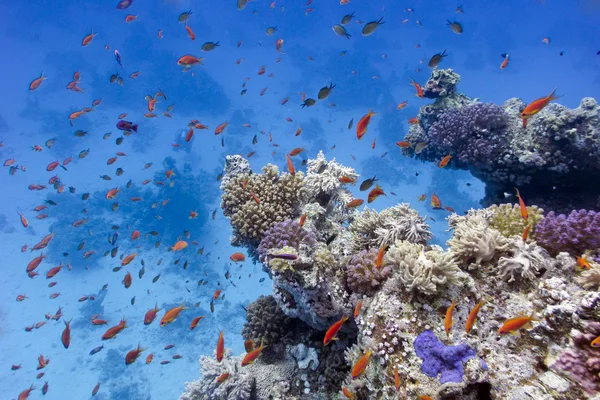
(362, 274)
(420, 270)
(371, 229)
(286, 233)
(278, 197)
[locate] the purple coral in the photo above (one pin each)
(286, 233)
(582, 362)
(362, 274)
(439, 358)
(472, 133)
(574, 234)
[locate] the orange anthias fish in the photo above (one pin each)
(445, 161)
(537, 105)
(524, 212)
(418, 88)
(221, 127)
(127, 280)
(448, 319)
(180, 245)
(402, 105)
(375, 193)
(172, 315)
(355, 203)
(595, 342)
(115, 330)
(290, 165)
(361, 365)
(363, 124)
(583, 263)
(253, 355)
(216, 294)
(346, 179)
(112, 193)
(24, 221)
(128, 259)
(37, 82)
(505, 61)
(347, 393)
(473, 316)
(133, 355)
(195, 322)
(380, 254)
(66, 335)
(223, 377)
(149, 358)
(513, 325)
(237, 257)
(526, 232)
(151, 315)
(333, 330)
(435, 201)
(357, 309)
(221, 346)
(396, 378)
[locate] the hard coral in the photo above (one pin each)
(265, 321)
(508, 221)
(441, 359)
(323, 177)
(278, 197)
(286, 233)
(575, 233)
(363, 276)
(422, 271)
(372, 229)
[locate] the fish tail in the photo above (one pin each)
(380, 22)
(551, 96)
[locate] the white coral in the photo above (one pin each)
(420, 270)
(474, 242)
(527, 259)
(590, 279)
(328, 180)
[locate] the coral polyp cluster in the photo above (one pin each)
(435, 317)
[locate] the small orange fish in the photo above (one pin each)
(355, 203)
(361, 365)
(595, 342)
(583, 264)
(221, 346)
(363, 124)
(66, 335)
(448, 319)
(255, 197)
(404, 144)
(347, 393)
(526, 232)
(424, 397)
(133, 355)
(115, 330)
(380, 254)
(37, 82)
(221, 127)
(190, 32)
(538, 105)
(290, 165)
(250, 357)
(357, 308)
(302, 220)
(402, 105)
(333, 330)
(128, 259)
(129, 18)
(151, 315)
(237, 257)
(413, 121)
(375, 193)
(172, 315)
(473, 316)
(180, 245)
(195, 322)
(149, 358)
(373, 144)
(435, 201)
(418, 88)
(296, 151)
(24, 221)
(223, 377)
(216, 294)
(127, 280)
(346, 179)
(298, 131)
(524, 212)
(422, 197)
(513, 325)
(505, 61)
(445, 161)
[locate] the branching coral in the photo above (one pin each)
(574, 233)
(286, 233)
(508, 221)
(372, 229)
(527, 260)
(422, 271)
(363, 276)
(254, 203)
(265, 321)
(474, 242)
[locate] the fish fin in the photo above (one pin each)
(515, 333)
(551, 96)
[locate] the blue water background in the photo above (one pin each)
(46, 36)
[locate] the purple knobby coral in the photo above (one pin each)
(472, 134)
(574, 234)
(582, 361)
(286, 233)
(362, 274)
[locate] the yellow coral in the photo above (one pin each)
(508, 221)
(280, 264)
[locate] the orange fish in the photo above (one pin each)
(418, 88)
(172, 315)
(375, 193)
(424, 397)
(127, 280)
(115, 330)
(180, 245)
(237, 257)
(290, 165)
(128, 259)
(505, 61)
(53, 272)
(129, 18)
(357, 308)
(302, 220)
(513, 325)
(524, 212)
(24, 221)
(190, 32)
(133, 355)
(221, 346)
(223, 377)
(255, 197)
(188, 61)
(216, 294)
(355, 203)
(473, 316)
(373, 144)
(595, 342)
(445, 161)
(88, 39)
(195, 321)
(298, 131)
(583, 264)
(66, 335)
(363, 124)
(396, 379)
(346, 179)
(448, 319)
(402, 105)
(435, 201)
(361, 365)
(526, 232)
(250, 357)
(112, 193)
(24, 395)
(347, 393)
(151, 315)
(380, 254)
(404, 144)
(135, 235)
(333, 330)
(37, 82)
(413, 121)
(221, 127)
(538, 105)
(149, 358)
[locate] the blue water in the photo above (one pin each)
(46, 36)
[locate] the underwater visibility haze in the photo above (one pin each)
(305, 199)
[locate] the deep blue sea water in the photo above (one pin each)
(46, 36)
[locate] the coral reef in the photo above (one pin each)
(552, 159)
(429, 313)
